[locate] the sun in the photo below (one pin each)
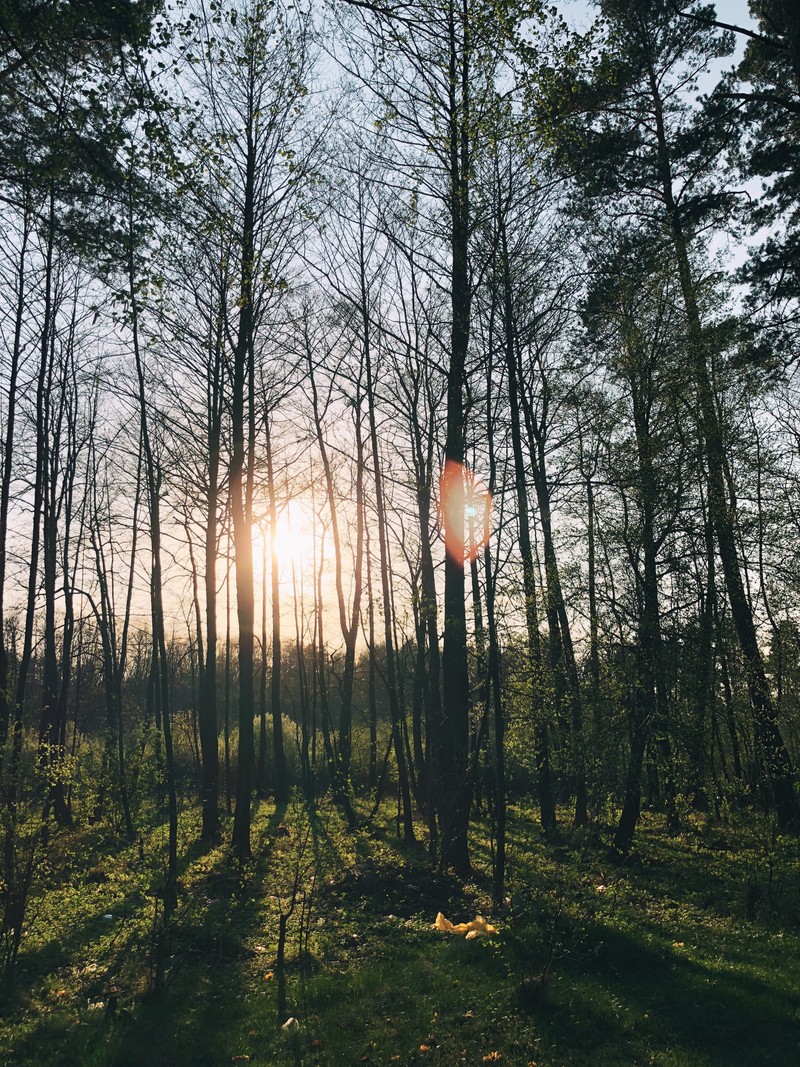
(293, 538)
(293, 541)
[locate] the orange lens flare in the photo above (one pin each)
(466, 507)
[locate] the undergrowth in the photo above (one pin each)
(686, 954)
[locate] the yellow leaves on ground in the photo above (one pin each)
(477, 928)
(492, 1057)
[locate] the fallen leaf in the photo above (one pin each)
(424, 1048)
(492, 1057)
(268, 976)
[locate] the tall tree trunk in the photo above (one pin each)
(452, 733)
(7, 471)
(372, 692)
(153, 479)
(50, 443)
(302, 680)
(114, 657)
(560, 633)
(207, 704)
(261, 763)
(16, 873)
(649, 708)
(547, 804)
(240, 504)
(777, 763)
(69, 568)
(494, 688)
(341, 753)
(594, 627)
(281, 775)
(385, 564)
(424, 460)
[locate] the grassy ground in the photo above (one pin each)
(689, 954)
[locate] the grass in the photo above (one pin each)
(688, 954)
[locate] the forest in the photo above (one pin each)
(399, 532)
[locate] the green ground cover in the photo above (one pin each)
(688, 954)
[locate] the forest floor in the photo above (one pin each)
(686, 954)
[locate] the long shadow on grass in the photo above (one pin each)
(72, 938)
(716, 879)
(64, 948)
(202, 1016)
(648, 998)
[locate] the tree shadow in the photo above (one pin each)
(204, 1015)
(647, 995)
